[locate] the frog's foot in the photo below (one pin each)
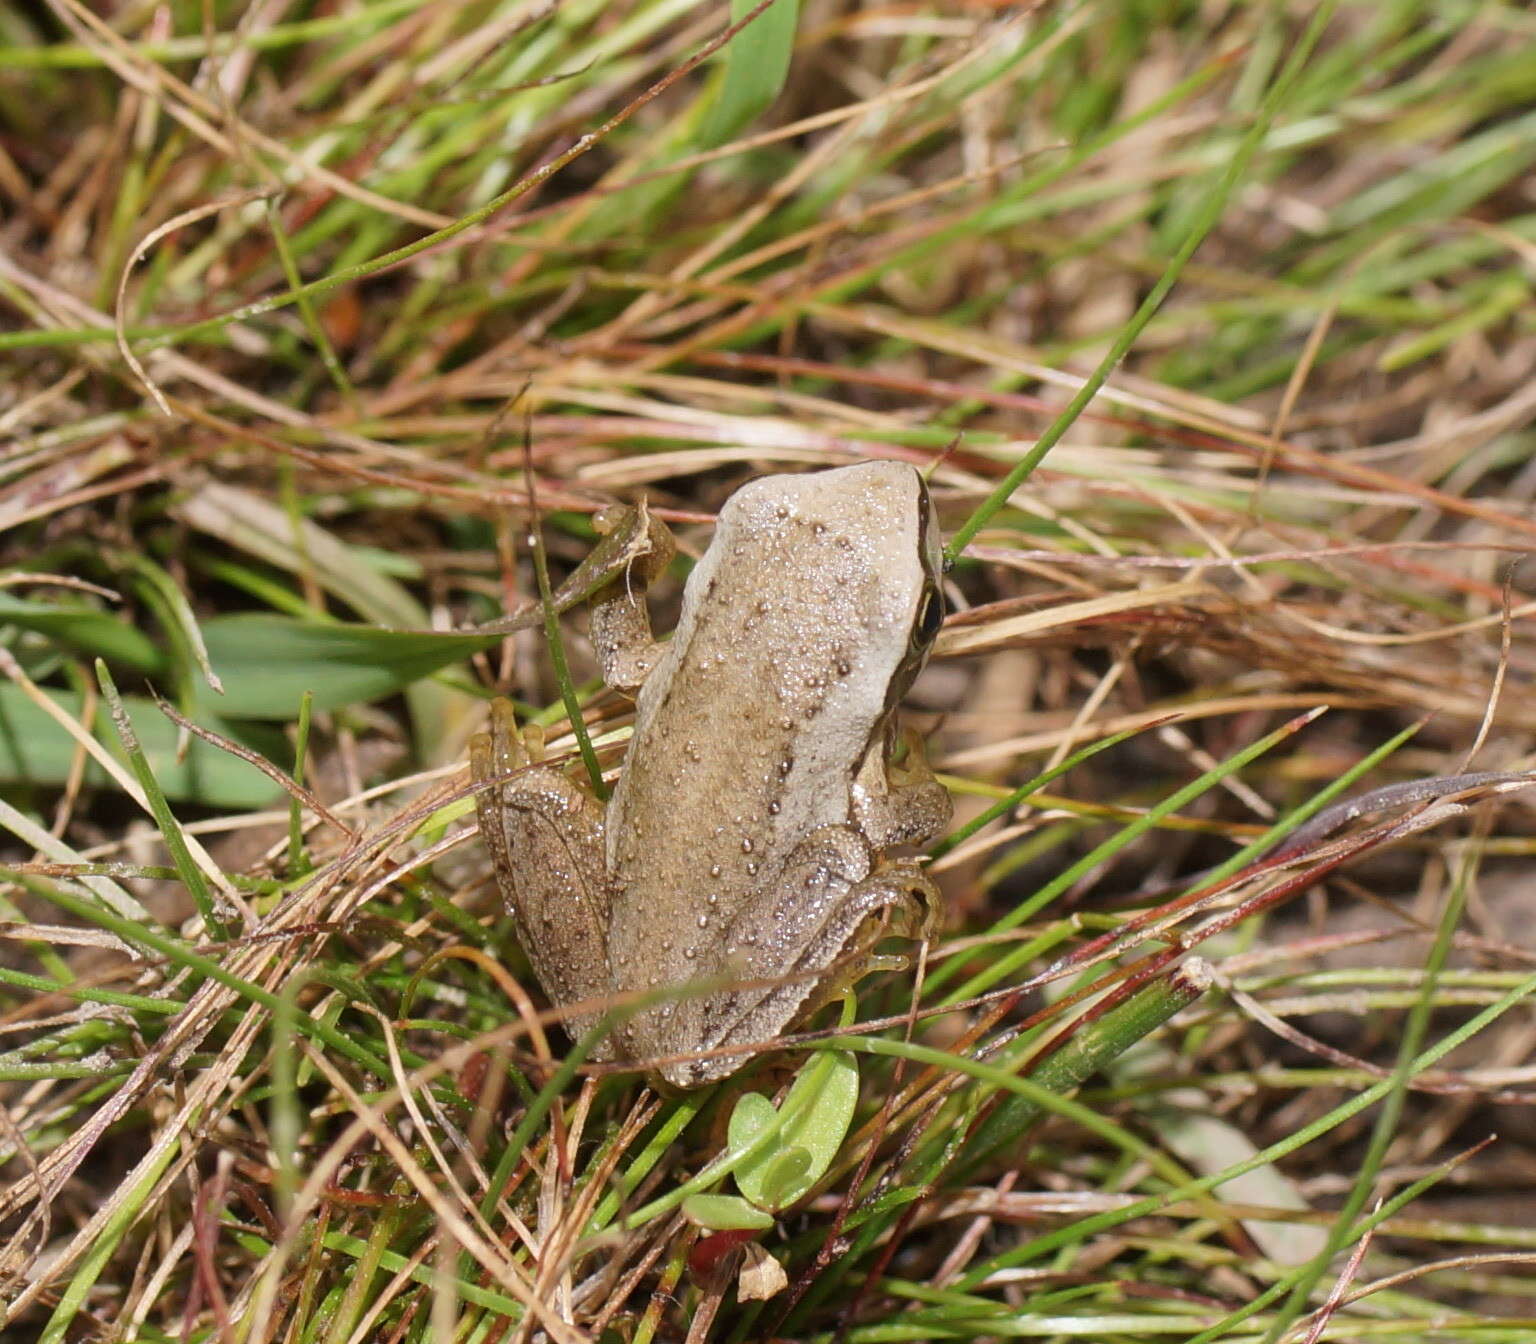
(503, 747)
(544, 834)
(898, 900)
(901, 901)
(899, 804)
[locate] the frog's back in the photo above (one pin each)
(748, 731)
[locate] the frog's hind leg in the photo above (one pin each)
(835, 906)
(544, 834)
(899, 900)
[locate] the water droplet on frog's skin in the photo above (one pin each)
(818, 528)
(714, 871)
(746, 844)
(703, 921)
(774, 807)
(690, 953)
(713, 898)
(752, 868)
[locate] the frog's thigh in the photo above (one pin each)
(899, 805)
(544, 834)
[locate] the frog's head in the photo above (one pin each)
(927, 614)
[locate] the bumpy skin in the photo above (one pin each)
(544, 834)
(745, 839)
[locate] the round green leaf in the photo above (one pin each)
(813, 1122)
(820, 1106)
(724, 1213)
(752, 1115)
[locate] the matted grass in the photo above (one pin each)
(1213, 326)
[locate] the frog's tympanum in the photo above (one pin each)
(744, 847)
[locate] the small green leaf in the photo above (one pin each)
(785, 1179)
(756, 66)
(813, 1122)
(724, 1213)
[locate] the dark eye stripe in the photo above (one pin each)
(930, 616)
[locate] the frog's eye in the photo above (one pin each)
(930, 616)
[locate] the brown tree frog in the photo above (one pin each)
(745, 843)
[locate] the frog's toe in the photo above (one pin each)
(503, 747)
(531, 743)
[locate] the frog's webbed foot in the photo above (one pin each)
(620, 624)
(899, 804)
(544, 834)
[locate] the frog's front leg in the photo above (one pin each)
(620, 624)
(544, 834)
(899, 804)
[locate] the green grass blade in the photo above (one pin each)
(756, 66)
